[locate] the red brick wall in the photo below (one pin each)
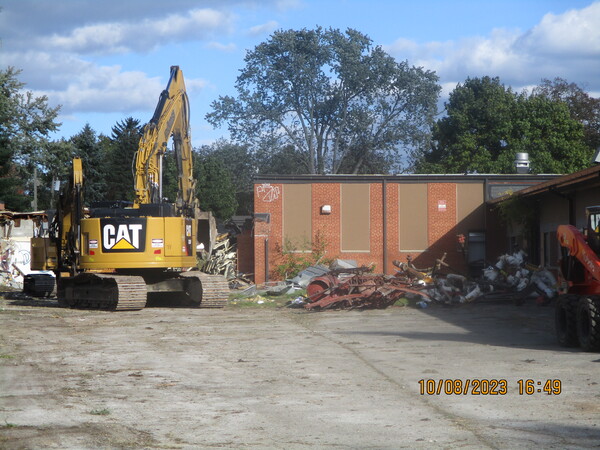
(245, 252)
(267, 199)
(393, 243)
(441, 225)
(327, 225)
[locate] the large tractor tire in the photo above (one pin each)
(566, 320)
(588, 323)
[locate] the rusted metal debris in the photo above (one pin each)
(509, 278)
(357, 289)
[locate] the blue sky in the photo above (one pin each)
(105, 61)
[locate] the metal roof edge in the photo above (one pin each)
(400, 177)
(556, 183)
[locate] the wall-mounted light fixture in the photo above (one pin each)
(326, 209)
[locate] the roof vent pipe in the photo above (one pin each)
(522, 162)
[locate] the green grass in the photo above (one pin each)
(4, 356)
(100, 412)
(402, 302)
(263, 301)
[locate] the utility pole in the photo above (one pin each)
(35, 186)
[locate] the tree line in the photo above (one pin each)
(318, 101)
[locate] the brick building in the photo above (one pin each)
(376, 219)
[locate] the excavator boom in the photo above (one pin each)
(171, 119)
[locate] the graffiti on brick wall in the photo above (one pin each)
(267, 192)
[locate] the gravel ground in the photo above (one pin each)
(285, 378)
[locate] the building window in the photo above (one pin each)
(355, 217)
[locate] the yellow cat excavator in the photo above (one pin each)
(114, 255)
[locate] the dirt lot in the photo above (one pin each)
(283, 378)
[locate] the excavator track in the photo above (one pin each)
(103, 291)
(38, 285)
(215, 289)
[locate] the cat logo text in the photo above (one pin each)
(123, 235)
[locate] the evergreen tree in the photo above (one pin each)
(125, 140)
(88, 148)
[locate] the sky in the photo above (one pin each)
(104, 61)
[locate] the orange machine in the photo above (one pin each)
(578, 309)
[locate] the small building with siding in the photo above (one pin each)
(558, 201)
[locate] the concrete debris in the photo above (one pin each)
(304, 277)
(345, 286)
(510, 278)
(249, 291)
(280, 289)
(343, 264)
(222, 259)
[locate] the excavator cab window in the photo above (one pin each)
(593, 228)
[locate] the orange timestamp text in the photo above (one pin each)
(487, 386)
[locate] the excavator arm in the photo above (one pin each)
(68, 219)
(170, 120)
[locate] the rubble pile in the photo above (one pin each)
(343, 285)
(357, 289)
(510, 278)
(222, 259)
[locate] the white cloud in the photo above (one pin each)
(231, 47)
(122, 37)
(566, 45)
(195, 85)
(109, 89)
(284, 5)
(575, 33)
(264, 28)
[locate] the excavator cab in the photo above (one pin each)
(593, 228)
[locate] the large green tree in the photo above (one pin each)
(583, 107)
(214, 189)
(333, 97)
(241, 163)
(486, 124)
(25, 122)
